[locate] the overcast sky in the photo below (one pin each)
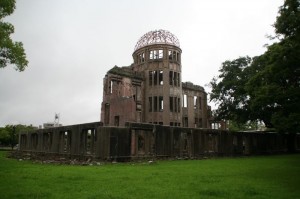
(71, 44)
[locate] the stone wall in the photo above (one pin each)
(141, 140)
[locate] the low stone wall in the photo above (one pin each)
(138, 140)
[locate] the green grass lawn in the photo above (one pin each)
(251, 177)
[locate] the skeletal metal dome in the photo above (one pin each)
(157, 37)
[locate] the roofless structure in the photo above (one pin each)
(151, 90)
(152, 107)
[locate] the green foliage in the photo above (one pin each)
(230, 92)
(275, 88)
(7, 7)
(4, 137)
(255, 177)
(10, 52)
(266, 87)
(249, 125)
(9, 135)
(288, 21)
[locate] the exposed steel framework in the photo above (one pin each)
(157, 37)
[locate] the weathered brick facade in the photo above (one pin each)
(148, 112)
(151, 90)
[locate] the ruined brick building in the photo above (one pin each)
(137, 99)
(151, 90)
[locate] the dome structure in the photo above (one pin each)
(157, 37)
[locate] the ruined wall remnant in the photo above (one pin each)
(151, 89)
(144, 140)
(122, 97)
(148, 112)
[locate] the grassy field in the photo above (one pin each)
(254, 177)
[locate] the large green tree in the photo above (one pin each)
(9, 135)
(229, 92)
(10, 52)
(266, 87)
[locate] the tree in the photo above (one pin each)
(287, 23)
(248, 126)
(229, 92)
(9, 135)
(4, 137)
(275, 90)
(267, 88)
(10, 52)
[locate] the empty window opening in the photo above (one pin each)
(151, 55)
(185, 122)
(89, 141)
(160, 54)
(174, 104)
(199, 102)
(185, 101)
(155, 73)
(141, 144)
(93, 141)
(150, 78)
(34, 140)
(23, 144)
(175, 79)
(195, 102)
(171, 104)
(117, 120)
(178, 105)
(170, 55)
(47, 141)
(175, 107)
(160, 79)
(111, 86)
(155, 104)
(66, 141)
(143, 57)
(171, 77)
(174, 55)
(150, 104)
(161, 103)
(156, 54)
(158, 104)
